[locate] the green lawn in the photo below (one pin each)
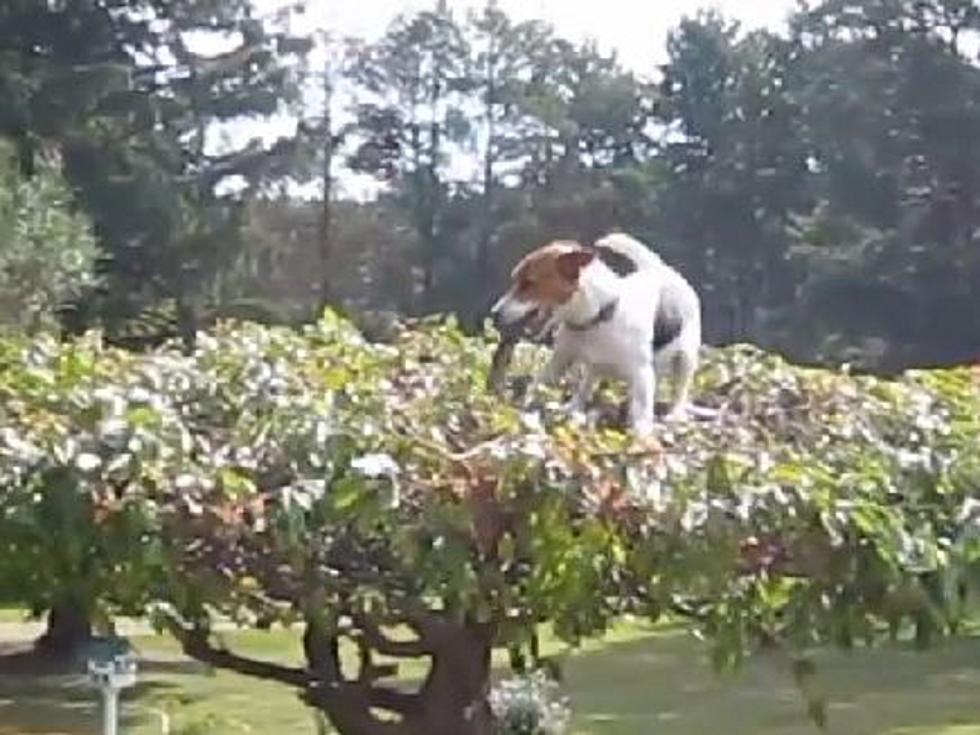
(635, 682)
(11, 615)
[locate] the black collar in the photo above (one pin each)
(604, 315)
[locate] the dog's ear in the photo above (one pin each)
(570, 264)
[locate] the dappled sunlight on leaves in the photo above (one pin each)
(275, 468)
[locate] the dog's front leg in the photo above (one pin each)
(558, 365)
(583, 390)
(642, 396)
(577, 407)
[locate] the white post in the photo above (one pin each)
(111, 677)
(110, 710)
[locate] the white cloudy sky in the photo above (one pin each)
(636, 29)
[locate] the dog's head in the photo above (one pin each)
(543, 282)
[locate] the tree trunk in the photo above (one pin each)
(327, 295)
(69, 628)
(453, 700)
(187, 323)
(455, 694)
(483, 271)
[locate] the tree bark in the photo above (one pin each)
(69, 628)
(453, 699)
(187, 322)
(483, 263)
(455, 694)
(327, 295)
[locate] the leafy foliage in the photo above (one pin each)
(815, 184)
(277, 476)
(529, 705)
(48, 251)
(124, 93)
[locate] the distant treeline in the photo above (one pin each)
(821, 187)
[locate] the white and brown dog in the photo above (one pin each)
(630, 326)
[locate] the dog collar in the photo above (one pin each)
(604, 315)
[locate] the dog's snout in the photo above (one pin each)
(513, 319)
(499, 313)
(496, 314)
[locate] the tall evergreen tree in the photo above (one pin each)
(130, 92)
(415, 77)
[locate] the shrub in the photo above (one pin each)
(529, 705)
(47, 249)
(379, 495)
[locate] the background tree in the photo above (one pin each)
(888, 151)
(814, 185)
(737, 168)
(415, 76)
(47, 251)
(501, 69)
(132, 106)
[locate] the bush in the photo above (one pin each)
(379, 495)
(47, 250)
(530, 705)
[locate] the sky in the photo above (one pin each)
(635, 29)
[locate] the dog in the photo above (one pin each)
(629, 323)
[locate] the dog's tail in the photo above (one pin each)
(630, 248)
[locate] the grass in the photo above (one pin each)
(11, 615)
(636, 681)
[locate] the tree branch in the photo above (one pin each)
(369, 671)
(194, 643)
(384, 645)
(393, 700)
(322, 651)
(349, 707)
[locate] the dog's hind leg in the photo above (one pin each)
(683, 366)
(642, 397)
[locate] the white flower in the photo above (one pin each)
(185, 482)
(531, 421)
(114, 432)
(19, 448)
(304, 493)
(530, 705)
(88, 462)
(380, 466)
(376, 465)
(322, 431)
(695, 516)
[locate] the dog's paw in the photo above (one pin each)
(578, 417)
(642, 429)
(676, 415)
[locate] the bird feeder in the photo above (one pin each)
(111, 676)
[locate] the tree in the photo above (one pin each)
(889, 152)
(61, 62)
(83, 446)
(415, 76)
(372, 248)
(382, 499)
(502, 66)
(119, 89)
(560, 123)
(331, 138)
(379, 497)
(736, 168)
(48, 253)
